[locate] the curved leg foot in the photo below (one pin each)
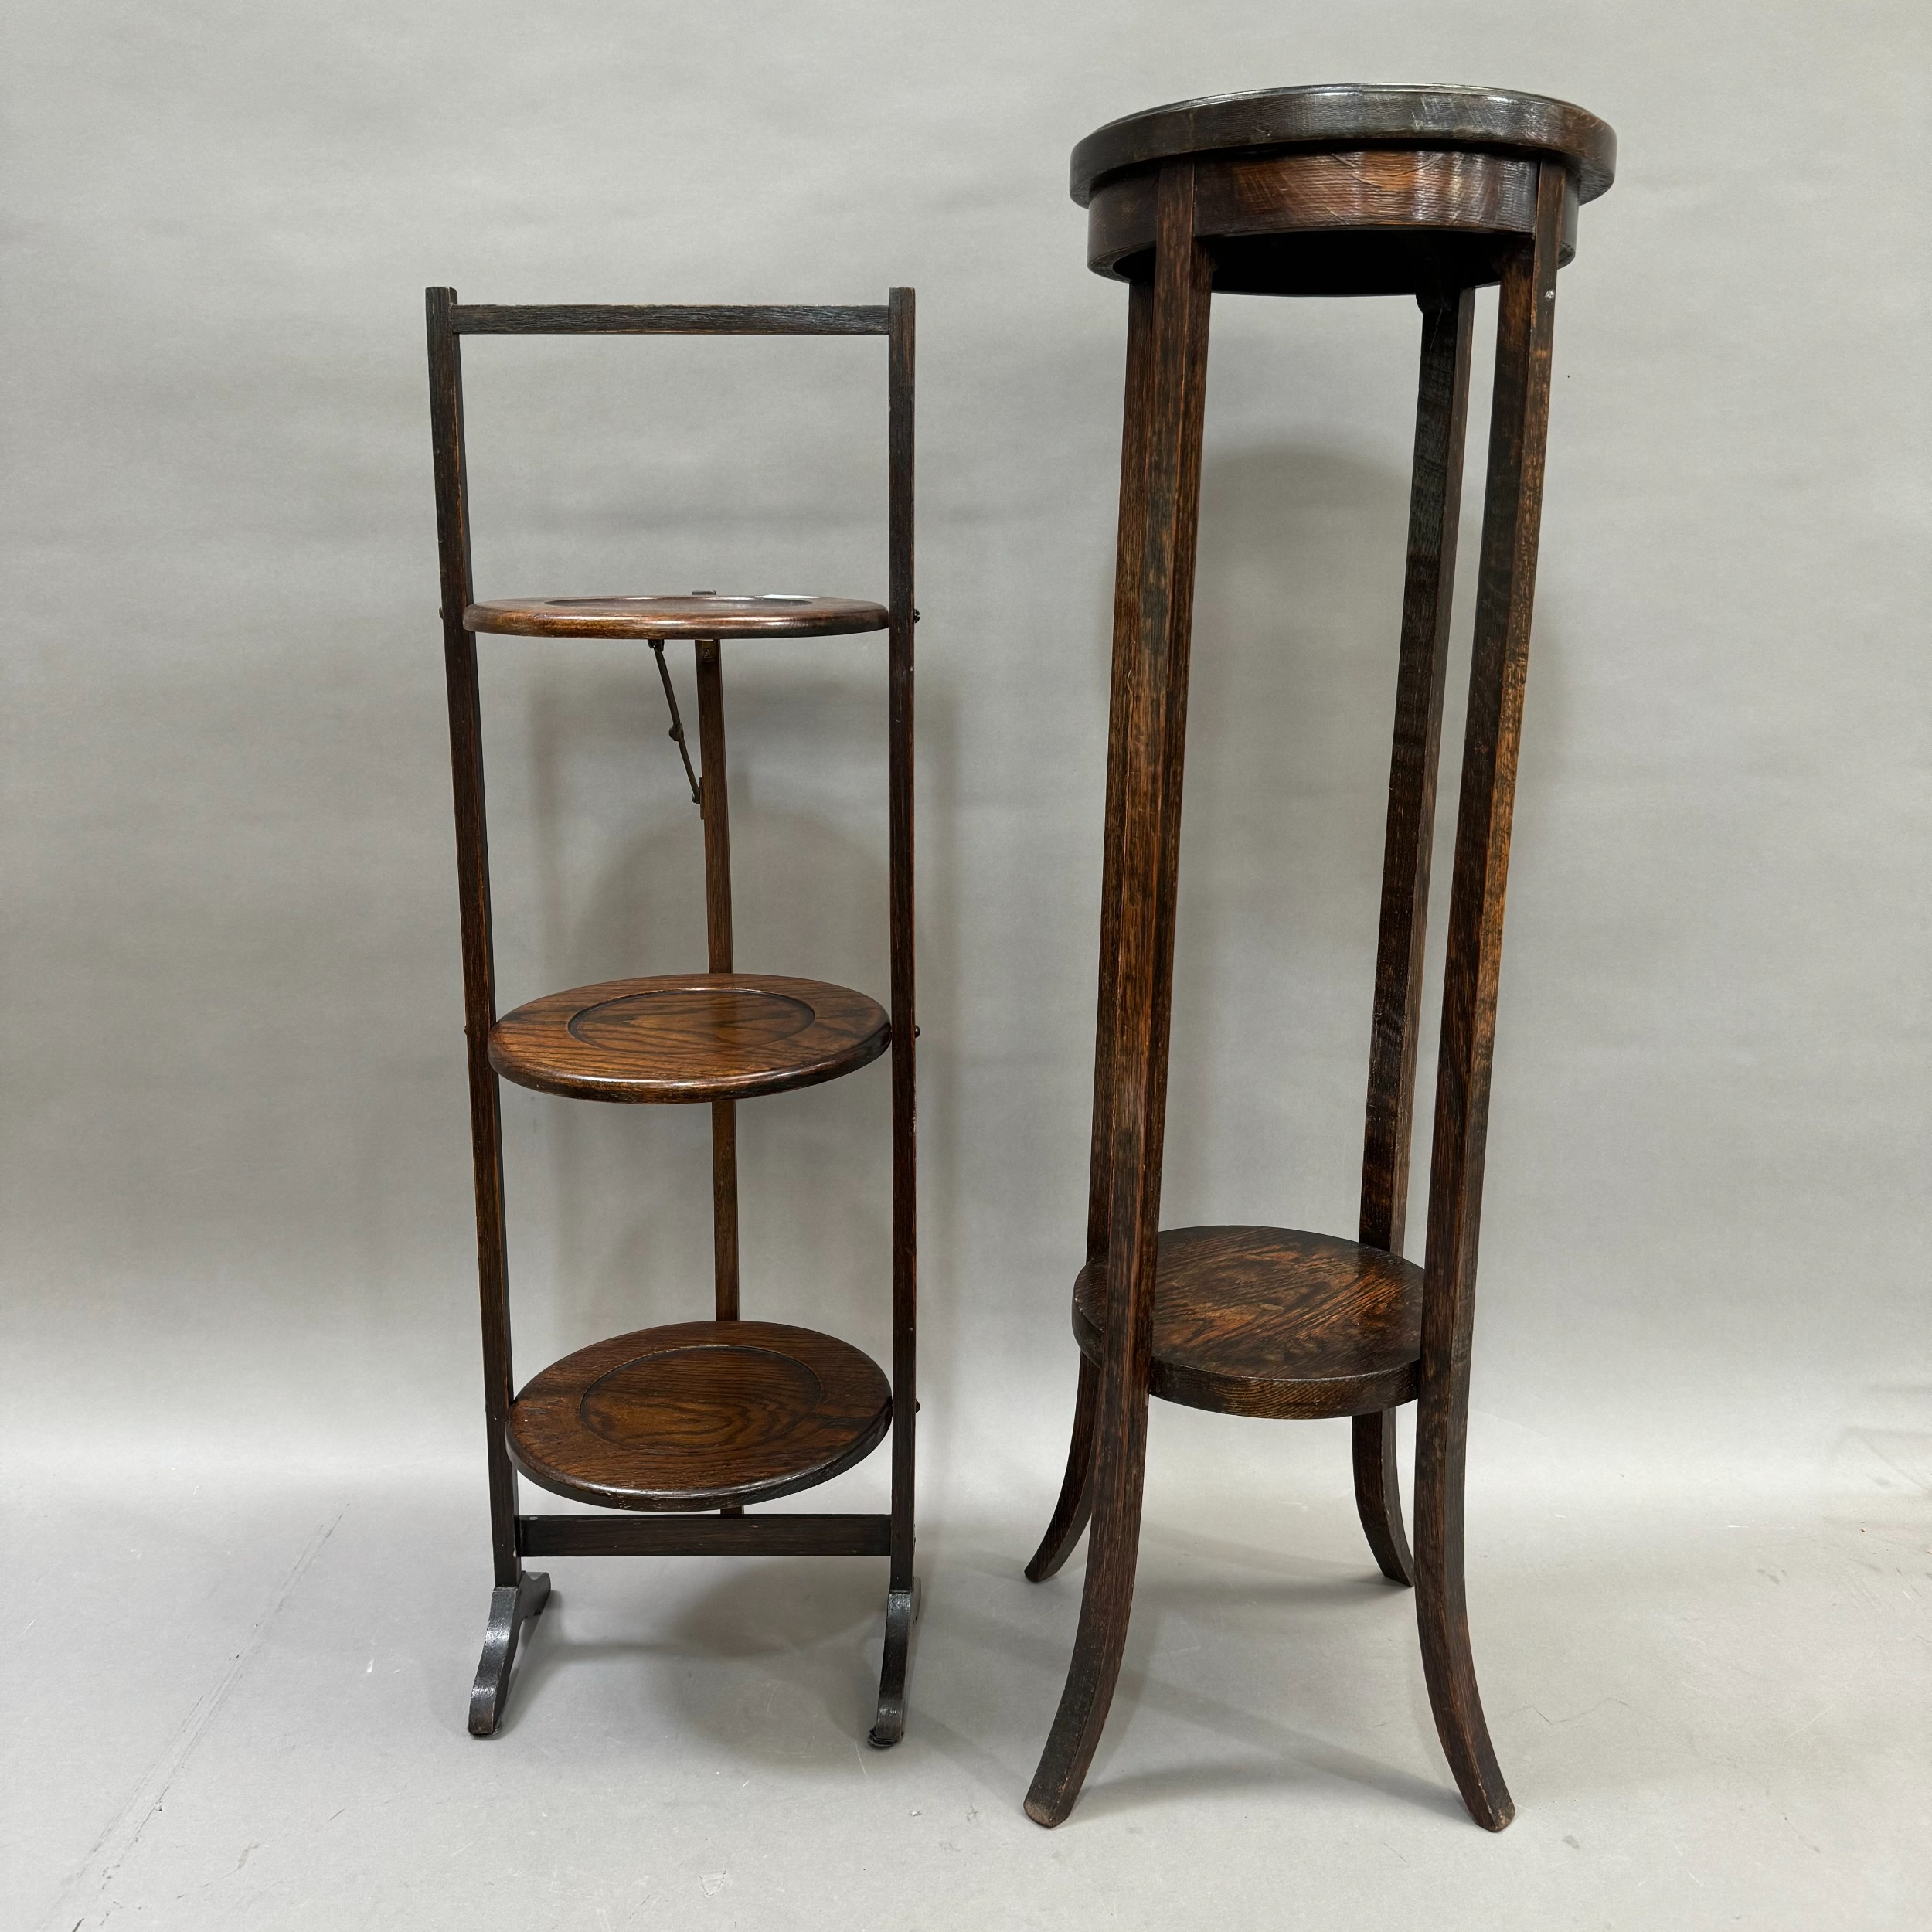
(902, 1612)
(1090, 1679)
(1442, 1613)
(1097, 1649)
(1378, 1495)
(1076, 1504)
(1451, 1672)
(512, 1606)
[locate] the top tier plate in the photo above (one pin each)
(703, 614)
(1346, 114)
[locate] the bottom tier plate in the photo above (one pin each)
(1271, 1322)
(699, 1414)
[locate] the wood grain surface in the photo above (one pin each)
(1265, 1321)
(689, 1036)
(447, 447)
(1435, 507)
(714, 793)
(895, 1660)
(1349, 222)
(668, 318)
(1271, 1322)
(1498, 667)
(699, 1415)
(793, 1533)
(1349, 113)
(742, 1411)
(1154, 597)
(698, 615)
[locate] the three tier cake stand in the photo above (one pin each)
(674, 1432)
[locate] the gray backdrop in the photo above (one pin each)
(236, 1191)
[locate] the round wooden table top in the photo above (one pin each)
(1349, 114)
(700, 613)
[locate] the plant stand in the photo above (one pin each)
(1343, 190)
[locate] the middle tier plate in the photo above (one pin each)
(689, 1036)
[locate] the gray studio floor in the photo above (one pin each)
(245, 1709)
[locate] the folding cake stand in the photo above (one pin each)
(663, 1425)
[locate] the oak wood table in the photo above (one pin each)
(659, 1427)
(1432, 192)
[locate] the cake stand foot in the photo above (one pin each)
(902, 1612)
(512, 1606)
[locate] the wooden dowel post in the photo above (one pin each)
(714, 800)
(1075, 1506)
(473, 891)
(1435, 507)
(1155, 578)
(902, 1586)
(1520, 419)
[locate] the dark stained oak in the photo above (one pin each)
(1348, 113)
(448, 447)
(1154, 591)
(730, 1534)
(903, 1585)
(703, 614)
(1311, 191)
(1435, 510)
(1343, 190)
(714, 802)
(720, 1036)
(689, 1036)
(1499, 662)
(513, 1608)
(668, 319)
(1074, 1507)
(1374, 222)
(699, 1414)
(1271, 1322)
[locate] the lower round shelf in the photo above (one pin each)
(699, 1414)
(1271, 1322)
(690, 1036)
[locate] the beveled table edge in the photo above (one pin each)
(1330, 113)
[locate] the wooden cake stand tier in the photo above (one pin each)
(690, 1036)
(700, 1415)
(703, 613)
